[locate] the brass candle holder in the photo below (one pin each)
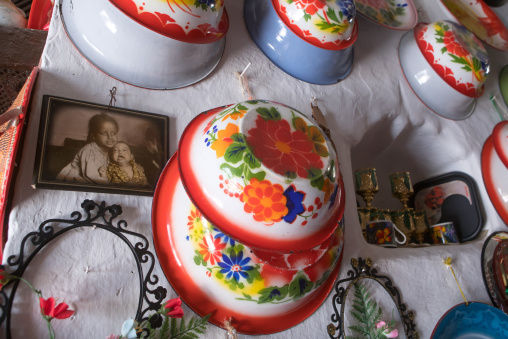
(421, 226)
(366, 184)
(404, 221)
(401, 187)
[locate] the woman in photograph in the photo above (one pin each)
(90, 163)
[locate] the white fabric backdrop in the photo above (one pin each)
(376, 121)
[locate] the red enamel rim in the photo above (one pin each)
(315, 41)
(173, 30)
(500, 206)
(497, 139)
(492, 24)
(197, 195)
(197, 299)
(441, 70)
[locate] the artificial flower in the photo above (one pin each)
(174, 305)
(49, 310)
(386, 331)
(129, 329)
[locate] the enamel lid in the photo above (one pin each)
(264, 174)
(455, 54)
(184, 20)
(325, 24)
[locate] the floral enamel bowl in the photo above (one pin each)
(134, 53)
(214, 274)
(494, 169)
(263, 174)
(446, 66)
(189, 21)
(399, 15)
(310, 40)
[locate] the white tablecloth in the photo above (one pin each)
(376, 121)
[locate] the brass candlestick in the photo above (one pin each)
(401, 187)
(404, 221)
(421, 226)
(366, 184)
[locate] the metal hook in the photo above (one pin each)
(112, 100)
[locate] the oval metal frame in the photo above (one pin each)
(96, 216)
(362, 269)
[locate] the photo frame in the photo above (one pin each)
(89, 147)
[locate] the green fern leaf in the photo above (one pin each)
(164, 331)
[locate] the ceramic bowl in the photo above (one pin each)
(181, 20)
(214, 274)
(320, 35)
(264, 174)
(480, 19)
(446, 66)
(133, 53)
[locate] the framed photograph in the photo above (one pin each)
(95, 148)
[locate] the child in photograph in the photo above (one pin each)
(122, 168)
(90, 163)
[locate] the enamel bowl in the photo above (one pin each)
(214, 274)
(264, 174)
(494, 162)
(446, 66)
(136, 53)
(312, 42)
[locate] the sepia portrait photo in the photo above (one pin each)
(96, 148)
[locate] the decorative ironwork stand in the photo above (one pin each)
(362, 269)
(96, 216)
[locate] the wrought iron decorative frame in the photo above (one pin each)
(362, 269)
(95, 216)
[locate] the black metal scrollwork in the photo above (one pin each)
(96, 216)
(362, 269)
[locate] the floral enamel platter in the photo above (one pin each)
(264, 174)
(396, 14)
(500, 140)
(495, 177)
(476, 16)
(323, 23)
(321, 62)
(446, 66)
(194, 21)
(472, 321)
(488, 261)
(132, 53)
(214, 274)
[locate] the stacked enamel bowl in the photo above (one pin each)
(247, 216)
(310, 40)
(446, 66)
(495, 168)
(148, 43)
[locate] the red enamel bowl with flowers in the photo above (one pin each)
(263, 174)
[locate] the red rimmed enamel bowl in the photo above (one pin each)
(264, 174)
(480, 19)
(495, 178)
(215, 274)
(136, 53)
(446, 66)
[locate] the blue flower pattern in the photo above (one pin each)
(225, 238)
(235, 265)
(293, 204)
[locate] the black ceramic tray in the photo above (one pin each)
(451, 197)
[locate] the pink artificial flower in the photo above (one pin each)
(49, 310)
(382, 325)
(176, 310)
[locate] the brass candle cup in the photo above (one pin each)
(403, 219)
(421, 226)
(366, 184)
(401, 187)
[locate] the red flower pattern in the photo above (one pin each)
(211, 249)
(311, 6)
(452, 46)
(49, 310)
(286, 152)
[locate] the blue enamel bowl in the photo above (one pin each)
(291, 53)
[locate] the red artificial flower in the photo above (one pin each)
(176, 310)
(287, 153)
(452, 46)
(48, 309)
